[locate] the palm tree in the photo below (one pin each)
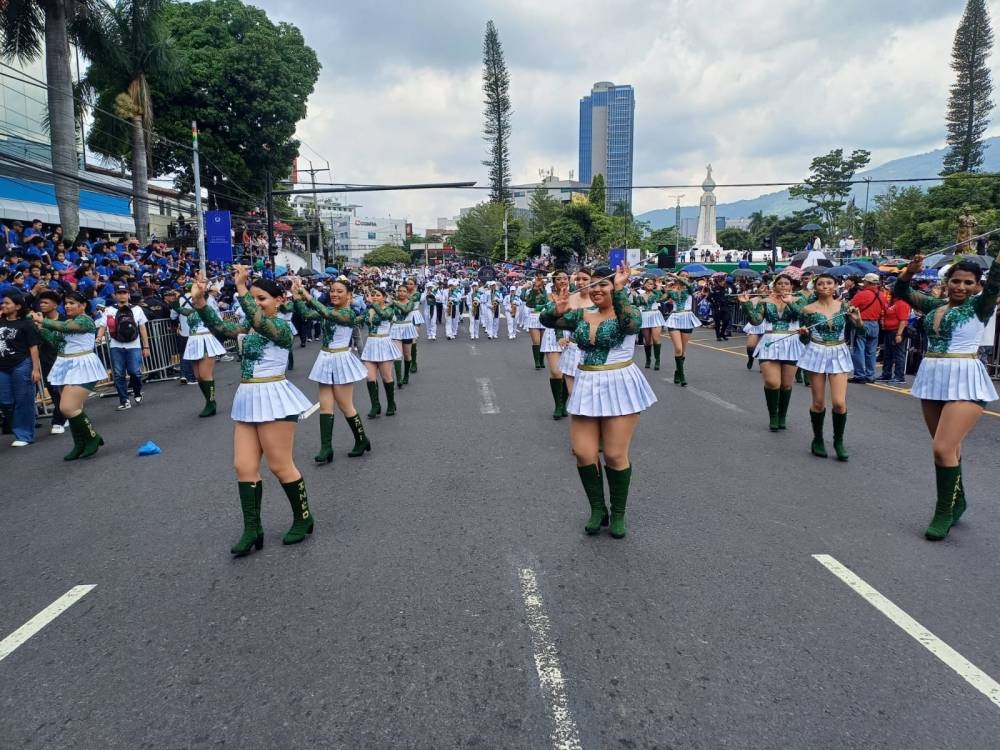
(26, 26)
(128, 44)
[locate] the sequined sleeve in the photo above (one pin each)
(629, 318)
(986, 301)
(79, 324)
(311, 308)
(917, 300)
(754, 312)
(275, 330)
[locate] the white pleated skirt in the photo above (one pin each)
(683, 320)
(380, 349)
(339, 368)
(267, 402)
(77, 370)
(400, 331)
(203, 345)
(779, 345)
(755, 330)
(652, 319)
(550, 344)
(533, 321)
(826, 360)
(569, 360)
(953, 379)
(610, 393)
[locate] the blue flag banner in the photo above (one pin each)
(218, 236)
(616, 257)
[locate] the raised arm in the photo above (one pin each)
(918, 300)
(629, 317)
(986, 302)
(79, 324)
(567, 321)
(273, 329)
(220, 327)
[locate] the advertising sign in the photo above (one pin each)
(218, 236)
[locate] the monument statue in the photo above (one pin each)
(967, 226)
(705, 239)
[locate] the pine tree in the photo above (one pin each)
(496, 125)
(598, 194)
(971, 101)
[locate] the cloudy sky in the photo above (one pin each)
(756, 87)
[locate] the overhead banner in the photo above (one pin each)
(218, 236)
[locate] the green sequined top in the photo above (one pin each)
(536, 299)
(821, 328)
(71, 336)
(614, 338)
(311, 308)
(780, 320)
(648, 302)
(263, 335)
(680, 296)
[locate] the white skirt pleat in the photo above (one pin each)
(953, 379)
(533, 321)
(610, 393)
(569, 360)
(203, 345)
(652, 319)
(400, 331)
(267, 402)
(779, 345)
(77, 370)
(683, 320)
(755, 330)
(340, 368)
(826, 360)
(380, 349)
(550, 344)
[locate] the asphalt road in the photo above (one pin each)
(409, 619)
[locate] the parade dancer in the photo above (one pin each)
(403, 332)
(647, 299)
(76, 371)
(337, 368)
(753, 333)
(454, 312)
(380, 352)
(827, 358)
(552, 350)
(681, 323)
(266, 406)
(429, 298)
(609, 393)
(569, 360)
(778, 352)
(952, 383)
(416, 317)
(535, 300)
(201, 350)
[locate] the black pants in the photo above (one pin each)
(439, 311)
(722, 320)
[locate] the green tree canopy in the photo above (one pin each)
(386, 255)
(480, 233)
(735, 239)
(598, 193)
(828, 184)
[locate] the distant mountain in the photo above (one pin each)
(781, 204)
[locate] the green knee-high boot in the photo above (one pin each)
(949, 478)
(361, 441)
(91, 440)
(648, 350)
(76, 428)
(771, 396)
(798, 375)
(960, 504)
(536, 354)
(839, 425)
(397, 365)
(750, 351)
(618, 483)
(291, 360)
(656, 355)
(565, 399)
(325, 454)
(818, 447)
(253, 533)
(593, 485)
(208, 391)
(406, 374)
(556, 386)
(679, 378)
(390, 398)
(302, 523)
(784, 398)
(413, 356)
(805, 378)
(373, 395)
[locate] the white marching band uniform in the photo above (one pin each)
(512, 302)
(430, 311)
(454, 301)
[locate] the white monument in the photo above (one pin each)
(705, 239)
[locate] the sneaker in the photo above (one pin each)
(183, 381)
(124, 406)
(226, 358)
(855, 380)
(901, 381)
(138, 399)
(19, 444)
(57, 429)
(883, 379)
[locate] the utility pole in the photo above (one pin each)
(272, 245)
(317, 222)
(197, 199)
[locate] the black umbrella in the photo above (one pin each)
(306, 272)
(983, 261)
(747, 273)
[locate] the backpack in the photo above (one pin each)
(126, 329)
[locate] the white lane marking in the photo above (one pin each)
(489, 397)
(9, 644)
(473, 350)
(564, 732)
(711, 397)
(310, 411)
(965, 669)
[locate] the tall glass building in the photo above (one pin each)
(607, 126)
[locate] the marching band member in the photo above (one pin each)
(454, 312)
(512, 310)
(753, 333)
(827, 358)
(337, 367)
(779, 350)
(952, 383)
(552, 350)
(476, 312)
(380, 352)
(266, 406)
(681, 322)
(647, 299)
(609, 393)
(535, 300)
(495, 308)
(403, 332)
(429, 298)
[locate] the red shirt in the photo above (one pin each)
(896, 312)
(870, 303)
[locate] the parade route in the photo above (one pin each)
(449, 597)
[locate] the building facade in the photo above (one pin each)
(607, 128)
(361, 234)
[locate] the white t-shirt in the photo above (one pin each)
(140, 320)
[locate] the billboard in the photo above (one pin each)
(218, 236)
